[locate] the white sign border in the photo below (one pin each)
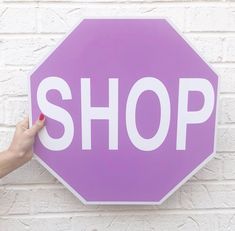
(82, 199)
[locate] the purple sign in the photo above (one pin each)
(130, 111)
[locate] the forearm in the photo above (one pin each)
(9, 161)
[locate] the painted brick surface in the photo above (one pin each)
(32, 199)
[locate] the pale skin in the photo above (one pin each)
(20, 150)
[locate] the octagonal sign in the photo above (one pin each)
(130, 110)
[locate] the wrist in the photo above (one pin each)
(18, 155)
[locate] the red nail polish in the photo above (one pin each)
(41, 117)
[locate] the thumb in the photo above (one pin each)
(37, 126)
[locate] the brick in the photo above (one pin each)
(2, 112)
(56, 200)
(14, 201)
(226, 139)
(17, 20)
(210, 48)
(230, 49)
(26, 51)
(13, 82)
(30, 173)
(227, 79)
(189, 196)
(220, 168)
(207, 18)
(226, 222)
(175, 14)
(55, 224)
(10, 224)
(53, 20)
(146, 222)
(207, 196)
(1, 54)
(36, 224)
(211, 171)
(116, 222)
(62, 200)
(228, 170)
(15, 110)
(60, 20)
(6, 135)
(227, 106)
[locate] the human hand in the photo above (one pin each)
(21, 146)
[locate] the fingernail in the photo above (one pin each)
(41, 117)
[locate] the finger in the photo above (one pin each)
(37, 126)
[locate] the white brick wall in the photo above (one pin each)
(32, 199)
